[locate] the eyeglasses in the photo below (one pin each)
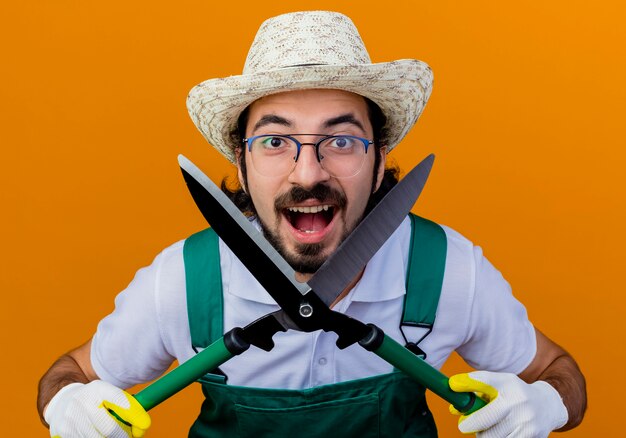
(342, 156)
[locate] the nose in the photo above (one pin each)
(308, 171)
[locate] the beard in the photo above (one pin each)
(306, 258)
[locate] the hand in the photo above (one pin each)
(514, 408)
(82, 410)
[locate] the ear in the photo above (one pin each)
(238, 158)
(380, 173)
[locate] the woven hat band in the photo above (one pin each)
(306, 38)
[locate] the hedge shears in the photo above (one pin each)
(305, 306)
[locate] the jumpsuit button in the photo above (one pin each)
(322, 361)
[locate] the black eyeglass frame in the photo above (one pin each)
(250, 140)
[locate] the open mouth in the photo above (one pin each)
(311, 219)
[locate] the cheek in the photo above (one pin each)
(263, 191)
(358, 195)
(362, 197)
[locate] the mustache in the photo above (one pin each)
(321, 192)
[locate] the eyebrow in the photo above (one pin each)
(344, 118)
(271, 119)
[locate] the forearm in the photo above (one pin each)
(63, 372)
(565, 376)
(72, 367)
(557, 367)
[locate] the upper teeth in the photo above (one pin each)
(313, 209)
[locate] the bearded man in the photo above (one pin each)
(309, 125)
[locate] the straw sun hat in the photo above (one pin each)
(304, 50)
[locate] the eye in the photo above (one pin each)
(341, 142)
(273, 142)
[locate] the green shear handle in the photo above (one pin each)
(183, 375)
(427, 376)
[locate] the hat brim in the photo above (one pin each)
(400, 88)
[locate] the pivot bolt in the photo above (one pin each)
(306, 310)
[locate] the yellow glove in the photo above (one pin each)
(83, 410)
(514, 408)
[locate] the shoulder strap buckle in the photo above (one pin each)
(413, 348)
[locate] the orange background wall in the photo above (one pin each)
(526, 119)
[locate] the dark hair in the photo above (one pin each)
(243, 201)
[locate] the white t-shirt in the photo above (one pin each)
(477, 316)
